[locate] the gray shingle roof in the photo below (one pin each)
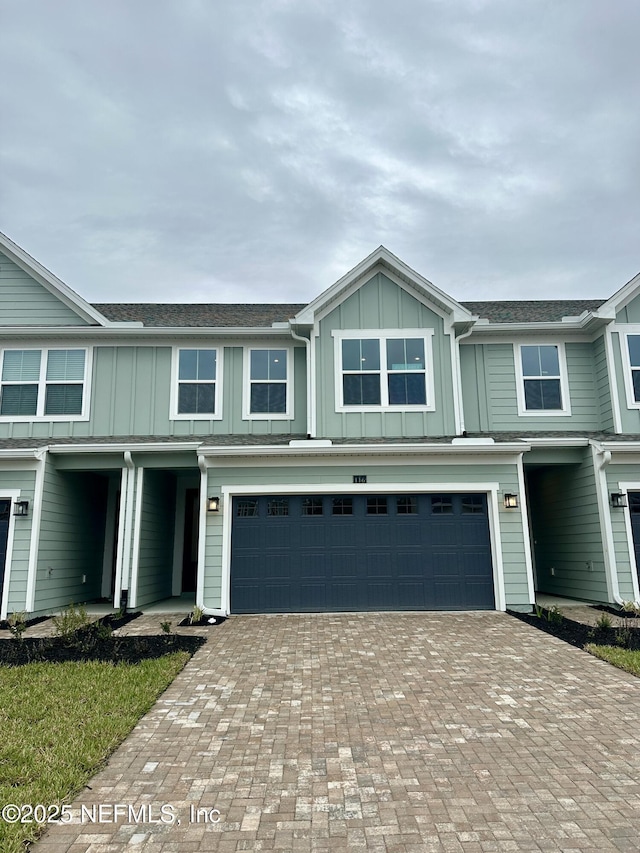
(199, 314)
(532, 310)
(265, 314)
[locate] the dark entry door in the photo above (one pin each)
(5, 515)
(634, 511)
(361, 552)
(190, 541)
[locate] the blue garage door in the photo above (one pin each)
(360, 552)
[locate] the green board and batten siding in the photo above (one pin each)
(131, 390)
(568, 544)
(489, 387)
(157, 523)
(71, 539)
(417, 477)
(25, 302)
(24, 482)
(381, 304)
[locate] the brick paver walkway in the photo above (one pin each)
(379, 732)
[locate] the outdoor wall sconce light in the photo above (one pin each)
(510, 501)
(213, 504)
(618, 499)
(21, 508)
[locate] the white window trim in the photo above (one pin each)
(248, 415)
(564, 382)
(381, 335)
(42, 385)
(174, 415)
(627, 368)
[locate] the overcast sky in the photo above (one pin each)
(209, 151)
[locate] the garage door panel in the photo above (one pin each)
(361, 553)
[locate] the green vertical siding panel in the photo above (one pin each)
(24, 481)
(381, 304)
(566, 531)
(25, 302)
(157, 526)
(603, 384)
(414, 475)
(72, 531)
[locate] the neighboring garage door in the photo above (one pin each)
(360, 552)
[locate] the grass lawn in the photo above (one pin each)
(60, 721)
(626, 659)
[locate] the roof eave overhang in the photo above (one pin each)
(117, 331)
(375, 450)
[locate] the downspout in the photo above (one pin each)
(307, 343)
(128, 521)
(601, 458)
(456, 346)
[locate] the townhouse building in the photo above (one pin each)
(383, 447)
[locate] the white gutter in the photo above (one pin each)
(162, 332)
(20, 453)
(307, 343)
(458, 401)
(155, 447)
(601, 458)
(313, 449)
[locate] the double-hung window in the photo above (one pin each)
(542, 378)
(268, 392)
(197, 384)
(43, 383)
(389, 370)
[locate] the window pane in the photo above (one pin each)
(530, 361)
(196, 398)
(63, 400)
(407, 505)
(342, 506)
(311, 506)
(472, 504)
(362, 390)
(370, 354)
(351, 355)
(21, 365)
(268, 398)
(405, 354)
(247, 507)
(549, 362)
(542, 394)
(634, 350)
(278, 506)
(206, 364)
(65, 364)
(277, 364)
(635, 375)
(376, 506)
(407, 389)
(441, 504)
(188, 366)
(259, 364)
(19, 400)
(361, 354)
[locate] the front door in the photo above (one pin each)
(5, 514)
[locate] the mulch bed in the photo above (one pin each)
(205, 622)
(4, 623)
(578, 634)
(95, 643)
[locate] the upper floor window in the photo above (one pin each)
(268, 392)
(633, 344)
(197, 386)
(44, 383)
(542, 379)
(393, 370)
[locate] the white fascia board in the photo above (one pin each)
(51, 282)
(508, 448)
(620, 298)
(149, 447)
(536, 441)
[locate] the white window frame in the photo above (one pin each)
(564, 382)
(42, 383)
(382, 335)
(174, 415)
(628, 369)
(247, 414)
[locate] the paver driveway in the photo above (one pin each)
(382, 732)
